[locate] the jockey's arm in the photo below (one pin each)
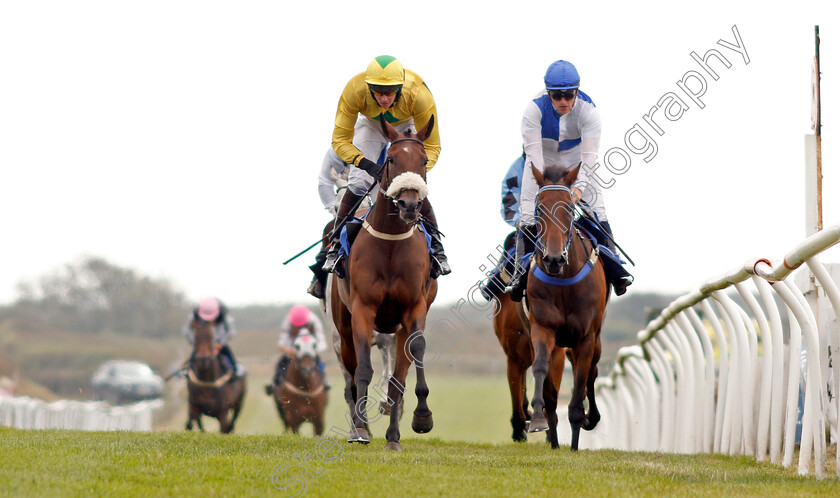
(349, 106)
(424, 110)
(532, 139)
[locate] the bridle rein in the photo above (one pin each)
(590, 262)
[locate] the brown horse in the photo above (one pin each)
(302, 397)
(512, 329)
(387, 286)
(567, 295)
(212, 390)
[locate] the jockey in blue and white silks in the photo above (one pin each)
(511, 189)
(560, 127)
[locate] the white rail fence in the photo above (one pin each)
(24, 412)
(712, 375)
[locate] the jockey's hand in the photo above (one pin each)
(371, 168)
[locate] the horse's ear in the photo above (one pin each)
(572, 174)
(388, 130)
(537, 175)
(425, 132)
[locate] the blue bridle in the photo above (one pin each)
(562, 282)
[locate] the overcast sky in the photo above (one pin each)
(183, 139)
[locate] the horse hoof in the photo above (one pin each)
(591, 422)
(359, 435)
(538, 424)
(393, 446)
(422, 425)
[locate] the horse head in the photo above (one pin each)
(555, 209)
(305, 353)
(204, 339)
(404, 178)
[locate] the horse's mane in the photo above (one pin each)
(555, 174)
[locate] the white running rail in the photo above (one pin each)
(710, 375)
(23, 412)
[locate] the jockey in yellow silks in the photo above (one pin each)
(403, 99)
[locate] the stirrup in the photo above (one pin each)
(332, 264)
(514, 287)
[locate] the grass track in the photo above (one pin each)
(64, 463)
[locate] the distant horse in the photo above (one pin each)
(301, 397)
(567, 296)
(211, 390)
(387, 286)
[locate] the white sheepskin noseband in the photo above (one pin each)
(408, 181)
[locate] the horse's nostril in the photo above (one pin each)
(401, 204)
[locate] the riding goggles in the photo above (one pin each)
(562, 94)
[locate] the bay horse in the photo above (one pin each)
(301, 397)
(212, 392)
(387, 286)
(567, 295)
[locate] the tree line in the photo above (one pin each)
(96, 296)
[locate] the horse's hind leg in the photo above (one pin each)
(583, 355)
(543, 340)
(593, 416)
(516, 381)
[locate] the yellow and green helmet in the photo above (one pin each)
(385, 71)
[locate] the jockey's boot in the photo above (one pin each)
(617, 274)
(526, 237)
(319, 279)
(494, 286)
(440, 263)
(331, 263)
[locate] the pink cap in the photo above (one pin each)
(208, 309)
(299, 315)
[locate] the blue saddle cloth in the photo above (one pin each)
(587, 228)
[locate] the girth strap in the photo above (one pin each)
(309, 394)
(203, 383)
(388, 236)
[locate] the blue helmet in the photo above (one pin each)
(561, 75)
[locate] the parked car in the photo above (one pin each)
(122, 381)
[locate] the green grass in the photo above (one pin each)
(69, 463)
(465, 407)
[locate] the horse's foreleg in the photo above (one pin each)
(362, 335)
(543, 341)
(582, 366)
(396, 391)
(550, 390)
(416, 346)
